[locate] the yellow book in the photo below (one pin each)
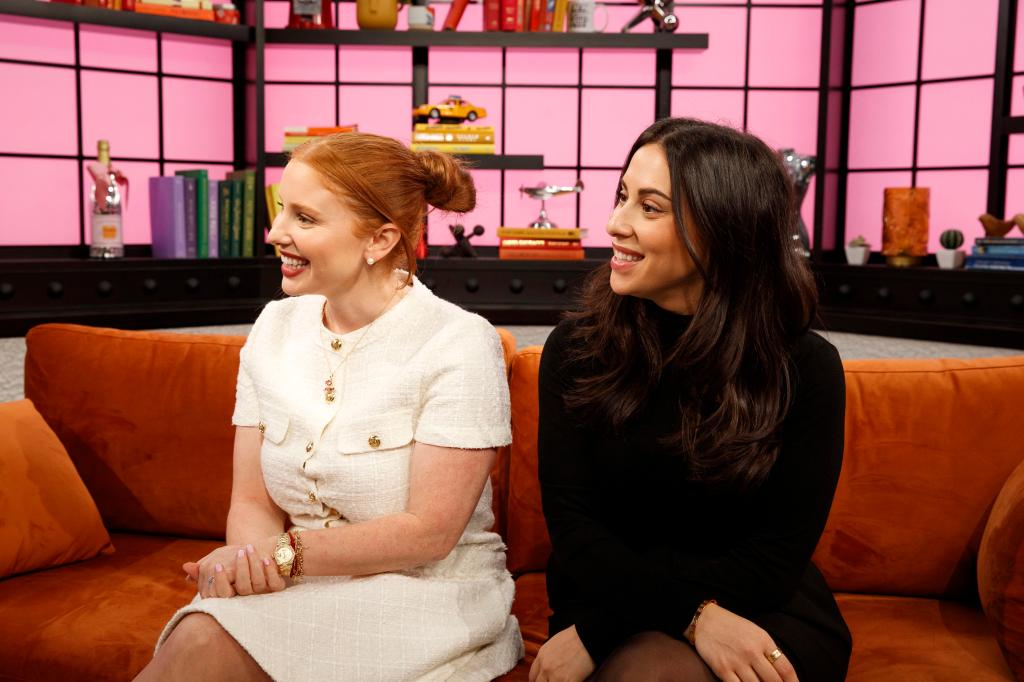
(453, 148)
(560, 233)
(558, 20)
(451, 128)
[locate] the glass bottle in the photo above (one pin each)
(310, 14)
(105, 207)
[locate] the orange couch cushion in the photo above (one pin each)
(929, 444)
(95, 620)
(1001, 570)
(47, 517)
(146, 418)
(902, 638)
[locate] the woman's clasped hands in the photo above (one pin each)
(738, 650)
(235, 570)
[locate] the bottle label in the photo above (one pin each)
(106, 230)
(306, 8)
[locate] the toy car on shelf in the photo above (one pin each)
(452, 110)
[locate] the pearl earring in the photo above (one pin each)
(370, 261)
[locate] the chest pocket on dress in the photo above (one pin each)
(375, 433)
(273, 425)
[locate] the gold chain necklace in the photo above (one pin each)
(329, 389)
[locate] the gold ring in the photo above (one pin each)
(773, 656)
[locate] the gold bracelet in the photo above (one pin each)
(691, 630)
(297, 566)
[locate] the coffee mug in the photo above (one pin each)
(581, 16)
(421, 17)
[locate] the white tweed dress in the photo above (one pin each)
(426, 371)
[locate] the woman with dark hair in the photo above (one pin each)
(691, 432)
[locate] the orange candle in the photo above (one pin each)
(905, 225)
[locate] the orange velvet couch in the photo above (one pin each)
(927, 527)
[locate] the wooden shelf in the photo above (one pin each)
(479, 161)
(107, 17)
(490, 39)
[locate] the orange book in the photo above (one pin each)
(540, 244)
(330, 130)
(181, 13)
(506, 253)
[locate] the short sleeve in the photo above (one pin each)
(246, 404)
(464, 397)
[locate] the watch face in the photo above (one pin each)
(283, 555)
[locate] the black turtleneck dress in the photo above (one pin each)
(637, 546)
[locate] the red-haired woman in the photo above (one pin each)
(691, 432)
(367, 416)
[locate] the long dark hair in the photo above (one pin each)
(758, 296)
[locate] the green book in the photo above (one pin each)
(226, 220)
(237, 226)
(202, 210)
(248, 179)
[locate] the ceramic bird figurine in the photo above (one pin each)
(994, 227)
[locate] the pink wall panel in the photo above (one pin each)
(296, 105)
(1018, 60)
(1016, 155)
(47, 208)
(788, 2)
(135, 222)
(955, 123)
(37, 40)
(959, 38)
(275, 14)
(488, 98)
(117, 48)
(717, 106)
(544, 66)
(194, 56)
(612, 120)
(217, 171)
(881, 128)
(957, 199)
(40, 89)
(378, 109)
(272, 175)
(864, 204)
(596, 206)
(374, 64)
(833, 140)
(837, 44)
(885, 42)
(472, 17)
(486, 213)
(828, 240)
(131, 125)
(784, 119)
(300, 63)
(542, 121)
(723, 63)
(618, 67)
(465, 65)
(198, 120)
(1017, 97)
(521, 210)
(785, 47)
(619, 16)
(1014, 191)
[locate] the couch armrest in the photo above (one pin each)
(1001, 570)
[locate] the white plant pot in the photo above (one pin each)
(950, 259)
(857, 255)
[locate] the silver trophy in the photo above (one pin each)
(801, 169)
(545, 192)
(661, 12)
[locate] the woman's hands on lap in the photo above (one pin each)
(236, 570)
(563, 658)
(737, 650)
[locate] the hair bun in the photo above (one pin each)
(448, 186)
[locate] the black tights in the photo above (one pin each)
(653, 657)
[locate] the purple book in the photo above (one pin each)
(167, 216)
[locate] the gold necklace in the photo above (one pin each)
(329, 389)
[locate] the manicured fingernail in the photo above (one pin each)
(218, 568)
(266, 562)
(250, 549)
(241, 553)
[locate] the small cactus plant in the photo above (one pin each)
(859, 241)
(951, 239)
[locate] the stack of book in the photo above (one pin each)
(207, 10)
(538, 243)
(525, 15)
(996, 253)
(192, 216)
(453, 138)
(294, 136)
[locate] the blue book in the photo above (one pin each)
(994, 263)
(190, 218)
(998, 250)
(167, 216)
(213, 234)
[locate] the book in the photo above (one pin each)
(508, 15)
(999, 241)
(190, 217)
(273, 202)
(559, 233)
(453, 148)
(248, 179)
(167, 216)
(990, 263)
(506, 253)
(492, 15)
(558, 20)
(237, 195)
(213, 225)
(541, 244)
(172, 11)
(202, 208)
(998, 250)
(226, 219)
(454, 127)
(452, 137)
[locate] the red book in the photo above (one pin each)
(540, 254)
(537, 12)
(492, 15)
(451, 22)
(508, 14)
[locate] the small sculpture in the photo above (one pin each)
(545, 192)
(994, 227)
(801, 169)
(661, 12)
(461, 248)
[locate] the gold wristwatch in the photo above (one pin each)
(284, 555)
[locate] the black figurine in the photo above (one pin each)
(462, 248)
